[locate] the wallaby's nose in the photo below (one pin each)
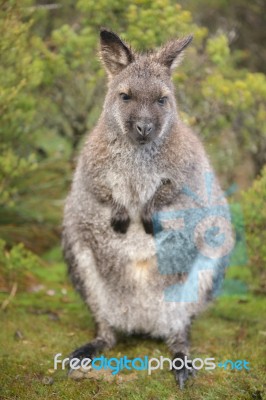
(143, 128)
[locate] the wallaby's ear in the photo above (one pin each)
(115, 54)
(171, 54)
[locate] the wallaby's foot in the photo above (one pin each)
(120, 219)
(76, 370)
(88, 350)
(182, 374)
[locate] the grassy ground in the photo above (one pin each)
(54, 320)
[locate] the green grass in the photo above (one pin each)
(232, 328)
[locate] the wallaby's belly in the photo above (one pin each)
(143, 308)
(130, 294)
(120, 274)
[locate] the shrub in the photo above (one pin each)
(254, 209)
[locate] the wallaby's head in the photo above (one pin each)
(140, 103)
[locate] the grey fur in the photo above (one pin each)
(118, 179)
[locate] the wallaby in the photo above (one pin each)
(141, 258)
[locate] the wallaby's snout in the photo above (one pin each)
(144, 131)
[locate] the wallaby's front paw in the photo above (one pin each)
(148, 225)
(182, 371)
(120, 220)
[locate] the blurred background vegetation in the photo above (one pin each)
(52, 88)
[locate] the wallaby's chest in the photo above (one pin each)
(133, 184)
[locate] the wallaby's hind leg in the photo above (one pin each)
(105, 339)
(179, 346)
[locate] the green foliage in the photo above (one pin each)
(16, 263)
(24, 69)
(228, 106)
(12, 167)
(18, 258)
(27, 67)
(242, 21)
(19, 74)
(253, 203)
(218, 50)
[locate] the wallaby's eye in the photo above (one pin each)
(125, 97)
(162, 100)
